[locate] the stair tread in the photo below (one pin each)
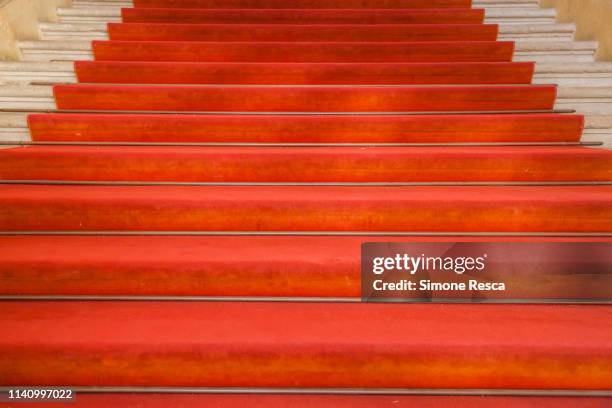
(302, 73)
(304, 32)
(306, 164)
(308, 208)
(392, 4)
(220, 98)
(278, 16)
(228, 400)
(307, 345)
(306, 128)
(302, 52)
(322, 267)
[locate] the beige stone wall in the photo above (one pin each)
(593, 20)
(19, 21)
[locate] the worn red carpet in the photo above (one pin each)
(235, 150)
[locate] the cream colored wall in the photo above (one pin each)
(19, 21)
(593, 20)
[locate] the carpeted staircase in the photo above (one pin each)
(184, 227)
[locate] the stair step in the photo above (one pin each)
(308, 16)
(305, 4)
(599, 127)
(570, 52)
(553, 209)
(234, 32)
(306, 128)
(107, 14)
(100, 5)
(53, 50)
(133, 15)
(219, 98)
(306, 164)
(536, 32)
(14, 120)
(190, 344)
(576, 68)
(281, 32)
(41, 67)
(279, 400)
(14, 134)
(541, 51)
(506, 3)
(553, 47)
(56, 45)
(325, 268)
(520, 15)
(589, 99)
(17, 96)
(180, 51)
(596, 74)
(303, 73)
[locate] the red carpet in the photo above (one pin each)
(185, 51)
(282, 266)
(303, 73)
(307, 164)
(306, 208)
(319, 401)
(200, 91)
(305, 99)
(317, 345)
(306, 32)
(306, 128)
(303, 16)
(276, 4)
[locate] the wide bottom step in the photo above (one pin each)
(172, 399)
(306, 345)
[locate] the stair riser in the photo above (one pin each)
(274, 33)
(185, 344)
(307, 52)
(304, 99)
(156, 400)
(250, 16)
(275, 208)
(305, 165)
(230, 4)
(303, 74)
(209, 266)
(306, 129)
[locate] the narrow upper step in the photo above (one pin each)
(307, 16)
(302, 33)
(492, 51)
(300, 4)
(303, 73)
(107, 14)
(385, 32)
